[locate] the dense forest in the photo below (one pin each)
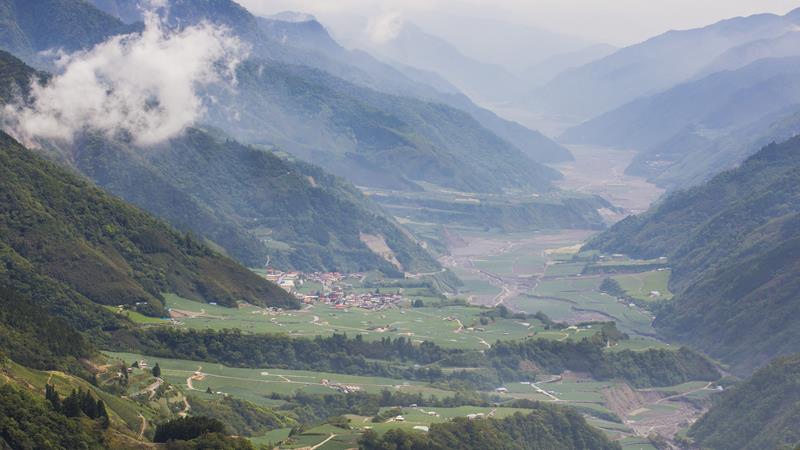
(546, 426)
(762, 412)
(640, 368)
(30, 423)
(393, 357)
(732, 245)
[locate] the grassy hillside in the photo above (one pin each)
(762, 412)
(56, 225)
(732, 245)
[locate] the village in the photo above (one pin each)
(335, 289)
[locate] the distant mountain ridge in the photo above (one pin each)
(372, 138)
(681, 134)
(652, 66)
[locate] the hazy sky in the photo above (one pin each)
(619, 22)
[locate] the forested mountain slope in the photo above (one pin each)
(257, 206)
(55, 225)
(30, 27)
(760, 413)
(733, 246)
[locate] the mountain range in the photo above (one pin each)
(306, 42)
(371, 137)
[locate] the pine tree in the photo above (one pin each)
(52, 396)
(71, 406)
(102, 414)
(88, 404)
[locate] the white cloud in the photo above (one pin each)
(385, 27)
(144, 84)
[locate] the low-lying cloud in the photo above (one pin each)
(142, 84)
(384, 28)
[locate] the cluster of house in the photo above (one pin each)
(343, 388)
(372, 301)
(335, 290)
(289, 281)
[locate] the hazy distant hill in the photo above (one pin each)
(372, 138)
(653, 66)
(507, 43)
(547, 69)
(733, 246)
(737, 57)
(684, 130)
(699, 154)
(762, 412)
(417, 48)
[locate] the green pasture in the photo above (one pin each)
(576, 299)
(640, 285)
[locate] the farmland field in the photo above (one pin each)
(578, 299)
(448, 326)
(256, 385)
